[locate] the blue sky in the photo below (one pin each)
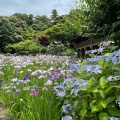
(35, 7)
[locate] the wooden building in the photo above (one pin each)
(83, 44)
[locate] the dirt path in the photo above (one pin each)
(3, 111)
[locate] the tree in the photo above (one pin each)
(100, 16)
(41, 23)
(28, 19)
(13, 30)
(6, 32)
(59, 32)
(54, 14)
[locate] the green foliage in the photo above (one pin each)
(69, 52)
(96, 18)
(28, 19)
(13, 30)
(41, 23)
(25, 47)
(56, 49)
(59, 32)
(60, 49)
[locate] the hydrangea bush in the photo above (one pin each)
(93, 92)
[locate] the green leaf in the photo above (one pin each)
(109, 87)
(103, 82)
(95, 89)
(103, 116)
(91, 82)
(83, 112)
(110, 99)
(117, 86)
(102, 94)
(92, 103)
(114, 112)
(76, 103)
(103, 103)
(95, 109)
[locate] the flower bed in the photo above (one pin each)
(57, 87)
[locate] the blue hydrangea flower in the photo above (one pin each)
(117, 53)
(74, 67)
(113, 118)
(67, 108)
(75, 91)
(61, 93)
(66, 117)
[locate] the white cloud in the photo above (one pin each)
(35, 7)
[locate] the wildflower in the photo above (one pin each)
(21, 99)
(14, 87)
(21, 72)
(1, 73)
(49, 82)
(41, 76)
(44, 89)
(34, 93)
(20, 81)
(7, 91)
(26, 76)
(16, 93)
(14, 80)
(26, 88)
(29, 70)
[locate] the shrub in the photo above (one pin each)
(94, 91)
(69, 52)
(26, 47)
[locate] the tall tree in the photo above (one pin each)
(54, 14)
(96, 18)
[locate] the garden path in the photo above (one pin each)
(3, 111)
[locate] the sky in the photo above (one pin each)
(35, 7)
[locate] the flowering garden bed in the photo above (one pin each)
(46, 87)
